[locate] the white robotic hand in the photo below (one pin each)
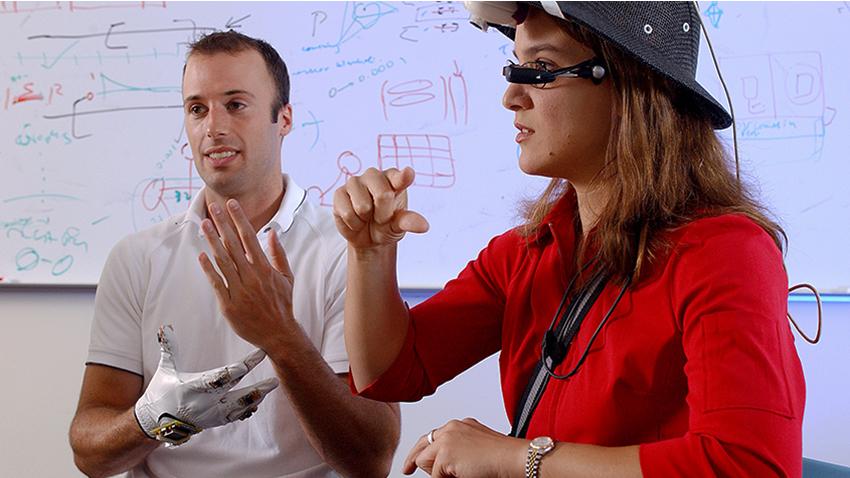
(177, 405)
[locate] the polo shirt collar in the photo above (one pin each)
(293, 198)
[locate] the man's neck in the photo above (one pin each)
(260, 205)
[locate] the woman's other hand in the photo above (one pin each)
(467, 449)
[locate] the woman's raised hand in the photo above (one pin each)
(371, 209)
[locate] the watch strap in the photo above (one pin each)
(532, 463)
(534, 457)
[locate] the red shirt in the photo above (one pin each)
(697, 363)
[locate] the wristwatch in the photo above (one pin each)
(538, 447)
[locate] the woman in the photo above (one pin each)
(653, 281)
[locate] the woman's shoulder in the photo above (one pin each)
(722, 262)
(729, 241)
(503, 257)
(506, 246)
(721, 229)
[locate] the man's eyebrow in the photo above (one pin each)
(238, 92)
(226, 93)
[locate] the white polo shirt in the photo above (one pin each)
(153, 277)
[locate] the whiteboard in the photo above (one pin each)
(92, 146)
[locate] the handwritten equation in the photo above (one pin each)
(39, 233)
(37, 7)
(435, 18)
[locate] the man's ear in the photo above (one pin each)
(284, 120)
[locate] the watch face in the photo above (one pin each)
(542, 443)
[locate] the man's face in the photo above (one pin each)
(227, 104)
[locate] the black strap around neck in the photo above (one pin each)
(558, 343)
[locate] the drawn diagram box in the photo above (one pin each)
(779, 97)
(429, 155)
(28, 7)
(776, 85)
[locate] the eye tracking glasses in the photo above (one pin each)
(537, 74)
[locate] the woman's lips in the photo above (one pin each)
(524, 133)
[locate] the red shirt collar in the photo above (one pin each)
(560, 221)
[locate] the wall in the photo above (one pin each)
(46, 337)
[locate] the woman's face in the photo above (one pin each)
(563, 128)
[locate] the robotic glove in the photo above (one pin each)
(177, 405)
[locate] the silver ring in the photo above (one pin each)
(430, 437)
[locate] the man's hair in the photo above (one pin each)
(234, 42)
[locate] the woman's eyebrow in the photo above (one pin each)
(535, 49)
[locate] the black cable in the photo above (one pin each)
(543, 347)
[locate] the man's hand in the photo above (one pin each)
(254, 295)
(201, 400)
(371, 209)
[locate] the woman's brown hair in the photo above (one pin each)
(665, 166)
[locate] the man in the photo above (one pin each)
(137, 394)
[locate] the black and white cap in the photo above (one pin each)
(664, 36)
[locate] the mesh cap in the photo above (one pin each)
(664, 36)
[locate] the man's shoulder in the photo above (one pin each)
(316, 223)
(149, 238)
